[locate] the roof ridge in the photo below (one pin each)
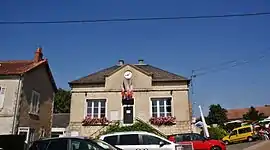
(249, 107)
(15, 61)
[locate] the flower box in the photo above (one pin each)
(89, 121)
(163, 121)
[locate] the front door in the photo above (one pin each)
(128, 114)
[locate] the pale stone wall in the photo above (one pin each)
(7, 111)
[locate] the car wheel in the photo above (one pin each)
(215, 148)
(250, 139)
(226, 142)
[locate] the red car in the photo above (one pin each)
(198, 141)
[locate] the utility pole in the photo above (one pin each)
(190, 101)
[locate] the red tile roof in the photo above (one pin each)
(17, 67)
(234, 114)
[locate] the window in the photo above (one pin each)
(56, 134)
(161, 107)
(186, 137)
(197, 137)
(131, 139)
(96, 108)
(27, 133)
(111, 140)
(34, 108)
(244, 130)
(234, 132)
(2, 96)
(78, 144)
(152, 140)
(24, 131)
(57, 144)
(39, 145)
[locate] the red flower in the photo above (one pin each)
(88, 121)
(162, 120)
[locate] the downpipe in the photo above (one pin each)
(16, 106)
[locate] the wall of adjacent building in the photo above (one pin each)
(39, 81)
(7, 106)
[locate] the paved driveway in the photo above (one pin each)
(241, 146)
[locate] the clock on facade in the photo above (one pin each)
(128, 75)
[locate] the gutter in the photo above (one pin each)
(13, 131)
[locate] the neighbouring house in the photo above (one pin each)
(237, 114)
(60, 124)
(27, 89)
(126, 92)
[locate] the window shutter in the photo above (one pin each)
(2, 96)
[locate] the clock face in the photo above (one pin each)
(128, 75)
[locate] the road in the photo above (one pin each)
(241, 146)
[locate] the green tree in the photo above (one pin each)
(217, 115)
(253, 115)
(62, 101)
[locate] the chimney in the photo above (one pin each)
(38, 55)
(121, 62)
(140, 61)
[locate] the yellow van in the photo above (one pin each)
(244, 133)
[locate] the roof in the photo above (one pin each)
(60, 120)
(20, 67)
(233, 114)
(156, 73)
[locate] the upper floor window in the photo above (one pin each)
(2, 96)
(34, 107)
(161, 107)
(96, 108)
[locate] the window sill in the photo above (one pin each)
(33, 114)
(97, 124)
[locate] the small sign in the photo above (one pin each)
(128, 111)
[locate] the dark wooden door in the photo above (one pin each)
(128, 114)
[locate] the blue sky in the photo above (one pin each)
(75, 50)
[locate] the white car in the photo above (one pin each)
(139, 140)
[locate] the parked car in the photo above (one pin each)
(71, 143)
(139, 140)
(244, 133)
(198, 141)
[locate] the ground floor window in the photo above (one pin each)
(28, 133)
(161, 107)
(96, 108)
(57, 134)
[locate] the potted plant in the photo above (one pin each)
(169, 120)
(89, 121)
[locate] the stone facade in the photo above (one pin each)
(144, 90)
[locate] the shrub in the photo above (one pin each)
(137, 126)
(217, 133)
